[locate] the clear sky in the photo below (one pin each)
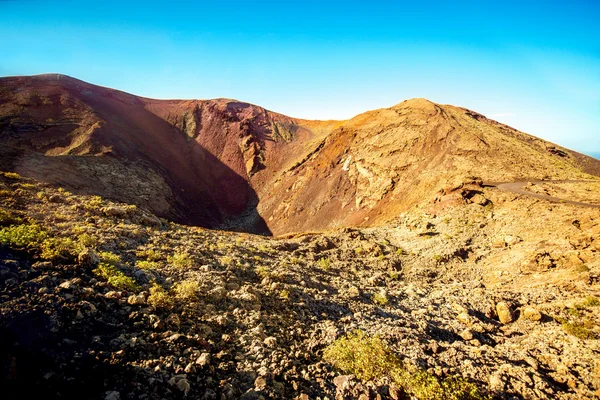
(534, 65)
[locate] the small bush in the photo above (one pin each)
(42, 196)
(380, 298)
(11, 175)
(180, 260)
(186, 290)
(159, 297)
(226, 260)
(93, 204)
(590, 301)
(87, 240)
(109, 258)
(59, 248)
(147, 265)
(149, 254)
(8, 218)
(365, 357)
(369, 358)
(324, 263)
(579, 329)
(262, 271)
(23, 235)
(115, 277)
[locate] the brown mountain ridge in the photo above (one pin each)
(227, 164)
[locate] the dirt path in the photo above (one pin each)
(517, 187)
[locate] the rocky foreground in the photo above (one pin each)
(482, 295)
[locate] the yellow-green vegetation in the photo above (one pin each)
(324, 263)
(180, 260)
(60, 248)
(400, 251)
(147, 265)
(115, 277)
(64, 191)
(186, 290)
(42, 196)
(366, 357)
(109, 258)
(578, 325)
(11, 175)
(149, 254)
(380, 299)
(438, 258)
(294, 260)
(159, 297)
(8, 218)
(94, 203)
(284, 294)
(262, 271)
(394, 275)
(87, 240)
(24, 235)
(590, 301)
(580, 329)
(226, 260)
(369, 358)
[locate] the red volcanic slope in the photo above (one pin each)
(227, 164)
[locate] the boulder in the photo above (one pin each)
(504, 313)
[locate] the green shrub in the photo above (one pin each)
(369, 358)
(109, 258)
(324, 263)
(590, 301)
(394, 275)
(380, 298)
(87, 240)
(8, 218)
(11, 175)
(186, 290)
(159, 297)
(180, 260)
(93, 203)
(226, 260)
(147, 265)
(115, 277)
(365, 357)
(262, 271)
(149, 254)
(579, 329)
(59, 248)
(23, 235)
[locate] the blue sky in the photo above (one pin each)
(534, 65)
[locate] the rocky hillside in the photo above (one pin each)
(223, 163)
(491, 295)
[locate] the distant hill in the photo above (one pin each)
(227, 164)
